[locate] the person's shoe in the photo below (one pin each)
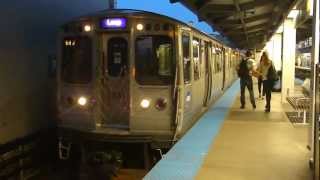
(254, 106)
(267, 110)
(242, 107)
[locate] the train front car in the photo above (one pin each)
(116, 76)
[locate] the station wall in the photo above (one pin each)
(28, 34)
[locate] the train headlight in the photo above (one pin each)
(87, 28)
(82, 101)
(140, 27)
(145, 103)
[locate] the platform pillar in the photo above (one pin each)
(275, 50)
(288, 58)
(314, 87)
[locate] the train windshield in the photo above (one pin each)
(77, 60)
(154, 60)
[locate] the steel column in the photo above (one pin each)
(315, 90)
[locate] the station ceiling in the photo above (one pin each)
(247, 23)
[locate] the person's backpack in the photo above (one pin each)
(272, 73)
(243, 69)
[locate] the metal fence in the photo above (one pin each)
(24, 158)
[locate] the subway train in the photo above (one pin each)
(135, 76)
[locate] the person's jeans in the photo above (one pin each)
(246, 82)
(267, 87)
(260, 86)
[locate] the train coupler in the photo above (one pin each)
(64, 149)
(160, 152)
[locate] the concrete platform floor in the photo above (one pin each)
(254, 145)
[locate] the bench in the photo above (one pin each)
(300, 104)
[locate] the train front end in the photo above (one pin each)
(116, 78)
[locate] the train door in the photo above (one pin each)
(207, 80)
(115, 97)
(218, 73)
(187, 76)
(214, 70)
(227, 67)
(223, 59)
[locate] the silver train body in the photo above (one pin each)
(135, 76)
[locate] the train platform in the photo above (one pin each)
(229, 143)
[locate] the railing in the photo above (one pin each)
(25, 157)
(300, 104)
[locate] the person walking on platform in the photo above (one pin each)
(245, 69)
(269, 76)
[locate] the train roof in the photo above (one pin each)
(135, 12)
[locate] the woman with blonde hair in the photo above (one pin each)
(269, 76)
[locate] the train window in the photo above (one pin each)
(195, 47)
(154, 60)
(117, 56)
(148, 27)
(157, 27)
(230, 59)
(196, 58)
(207, 48)
(166, 27)
(214, 59)
(226, 59)
(186, 58)
(219, 62)
(77, 60)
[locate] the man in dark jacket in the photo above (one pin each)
(245, 69)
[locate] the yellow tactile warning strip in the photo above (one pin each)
(253, 145)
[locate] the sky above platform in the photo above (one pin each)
(164, 7)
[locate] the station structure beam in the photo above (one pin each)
(246, 20)
(212, 5)
(243, 24)
(243, 17)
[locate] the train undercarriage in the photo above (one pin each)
(100, 156)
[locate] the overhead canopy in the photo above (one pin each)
(248, 23)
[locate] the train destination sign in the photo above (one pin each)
(113, 23)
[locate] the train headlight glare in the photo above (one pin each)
(140, 27)
(145, 103)
(87, 28)
(82, 101)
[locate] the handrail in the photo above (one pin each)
(21, 157)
